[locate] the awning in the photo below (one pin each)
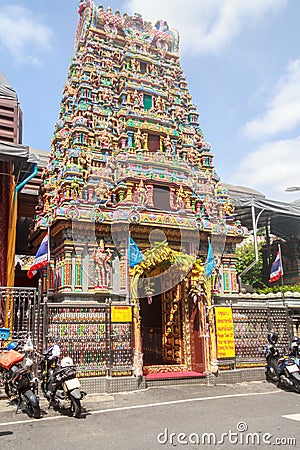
(283, 218)
(21, 157)
(9, 151)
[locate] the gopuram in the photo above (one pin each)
(131, 200)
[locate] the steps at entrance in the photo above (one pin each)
(174, 375)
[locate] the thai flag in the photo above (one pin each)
(41, 258)
(276, 269)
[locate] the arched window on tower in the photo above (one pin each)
(153, 142)
(143, 67)
(147, 101)
(161, 198)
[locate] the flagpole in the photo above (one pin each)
(286, 308)
(48, 265)
(40, 287)
(281, 276)
(128, 296)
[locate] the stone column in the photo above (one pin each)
(78, 269)
(123, 270)
(67, 269)
(91, 269)
(51, 275)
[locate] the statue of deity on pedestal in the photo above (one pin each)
(102, 260)
(141, 193)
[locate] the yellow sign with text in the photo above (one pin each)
(225, 332)
(121, 314)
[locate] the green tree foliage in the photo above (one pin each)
(278, 288)
(246, 255)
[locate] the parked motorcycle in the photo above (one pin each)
(281, 370)
(60, 385)
(15, 370)
(294, 350)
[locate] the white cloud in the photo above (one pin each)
(271, 168)
(22, 35)
(205, 26)
(283, 111)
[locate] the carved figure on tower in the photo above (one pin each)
(102, 191)
(228, 207)
(180, 198)
(102, 261)
(135, 99)
(105, 139)
(199, 141)
(168, 145)
(84, 162)
(75, 188)
(142, 193)
(139, 140)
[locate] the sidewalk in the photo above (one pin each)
(6, 405)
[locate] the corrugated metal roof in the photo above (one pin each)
(283, 218)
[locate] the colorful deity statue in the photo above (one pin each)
(135, 99)
(142, 193)
(105, 139)
(102, 190)
(75, 188)
(139, 140)
(168, 145)
(102, 260)
(228, 207)
(180, 198)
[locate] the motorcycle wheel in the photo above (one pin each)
(296, 386)
(272, 374)
(32, 405)
(75, 407)
(33, 411)
(7, 390)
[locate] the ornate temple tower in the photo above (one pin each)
(130, 159)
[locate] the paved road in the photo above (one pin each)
(245, 415)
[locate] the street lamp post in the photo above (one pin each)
(292, 189)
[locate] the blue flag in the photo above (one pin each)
(210, 261)
(134, 254)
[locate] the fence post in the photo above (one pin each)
(45, 325)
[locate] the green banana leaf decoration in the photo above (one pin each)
(162, 253)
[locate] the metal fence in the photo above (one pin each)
(19, 311)
(98, 343)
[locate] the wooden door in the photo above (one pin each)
(171, 326)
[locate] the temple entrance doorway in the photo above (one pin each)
(161, 326)
(169, 326)
(151, 320)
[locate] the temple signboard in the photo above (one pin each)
(121, 314)
(225, 332)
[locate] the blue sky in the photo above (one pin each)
(241, 59)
